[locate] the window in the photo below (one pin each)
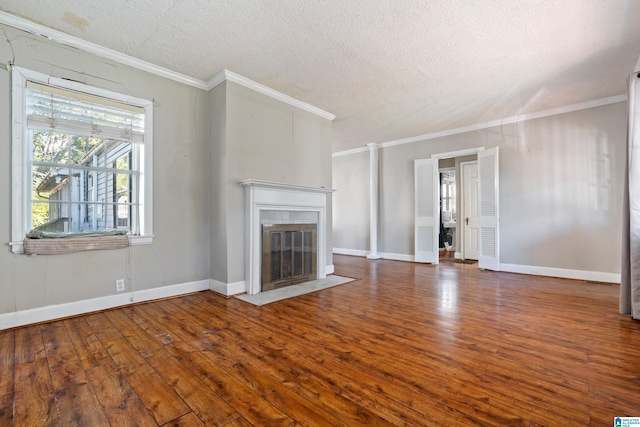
(81, 160)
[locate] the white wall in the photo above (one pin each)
(560, 189)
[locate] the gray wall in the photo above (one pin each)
(264, 139)
(560, 189)
(180, 251)
(351, 213)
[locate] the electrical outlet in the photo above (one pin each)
(119, 285)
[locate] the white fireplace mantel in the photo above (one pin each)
(267, 195)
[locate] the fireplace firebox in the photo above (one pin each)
(289, 254)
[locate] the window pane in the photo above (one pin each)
(45, 179)
(81, 147)
(39, 213)
(50, 147)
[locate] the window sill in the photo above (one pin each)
(76, 244)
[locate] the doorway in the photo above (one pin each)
(481, 240)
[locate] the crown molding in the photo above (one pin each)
(101, 51)
(121, 58)
(364, 149)
(494, 123)
(257, 87)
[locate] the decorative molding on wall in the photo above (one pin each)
(592, 276)
(494, 123)
(121, 58)
(352, 151)
(243, 81)
(52, 312)
(228, 288)
(101, 51)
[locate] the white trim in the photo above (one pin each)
(459, 153)
(281, 186)
(121, 58)
(351, 151)
(351, 252)
(398, 257)
(52, 312)
(565, 273)
(383, 255)
(329, 269)
(495, 123)
(260, 88)
(101, 51)
(457, 255)
(228, 289)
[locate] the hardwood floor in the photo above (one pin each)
(407, 344)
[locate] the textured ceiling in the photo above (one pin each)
(387, 69)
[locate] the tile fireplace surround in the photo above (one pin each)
(264, 202)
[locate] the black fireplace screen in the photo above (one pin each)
(289, 254)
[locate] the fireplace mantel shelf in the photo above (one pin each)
(283, 186)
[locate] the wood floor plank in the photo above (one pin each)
(188, 420)
(119, 401)
(249, 404)
(204, 402)
(7, 376)
(76, 400)
(158, 397)
(34, 401)
(88, 347)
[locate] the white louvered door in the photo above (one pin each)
(488, 217)
(426, 210)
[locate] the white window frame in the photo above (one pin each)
(21, 181)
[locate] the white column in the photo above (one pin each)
(373, 201)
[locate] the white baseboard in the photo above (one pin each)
(565, 273)
(592, 276)
(398, 257)
(329, 269)
(228, 288)
(52, 312)
(352, 252)
(366, 254)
